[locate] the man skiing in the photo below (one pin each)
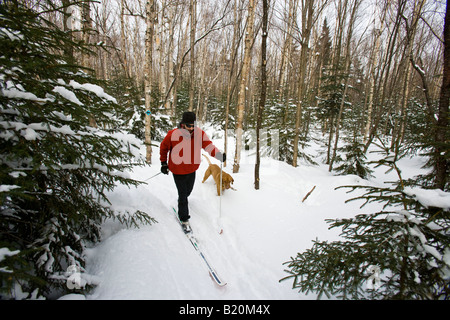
(180, 153)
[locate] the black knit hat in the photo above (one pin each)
(188, 117)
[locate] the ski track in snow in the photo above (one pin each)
(261, 230)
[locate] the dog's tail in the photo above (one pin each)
(207, 159)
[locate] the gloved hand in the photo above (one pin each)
(164, 168)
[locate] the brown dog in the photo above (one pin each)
(214, 171)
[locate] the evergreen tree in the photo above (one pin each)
(280, 116)
(354, 161)
(330, 100)
(55, 166)
(400, 252)
(323, 52)
(131, 99)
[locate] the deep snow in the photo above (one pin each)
(261, 230)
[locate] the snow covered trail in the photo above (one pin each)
(261, 230)
(158, 262)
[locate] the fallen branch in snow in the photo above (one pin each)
(307, 195)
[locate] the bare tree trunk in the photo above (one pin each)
(356, 4)
(411, 32)
(340, 23)
(286, 57)
(173, 88)
(123, 39)
(398, 134)
(102, 26)
(442, 128)
(160, 49)
(232, 66)
(262, 100)
(68, 28)
(150, 21)
(137, 53)
(342, 6)
(164, 50)
(307, 23)
(243, 84)
(201, 113)
(374, 64)
(193, 13)
(86, 29)
(169, 105)
(386, 87)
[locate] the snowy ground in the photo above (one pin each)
(261, 230)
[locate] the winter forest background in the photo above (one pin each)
(83, 83)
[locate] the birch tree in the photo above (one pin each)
(263, 83)
(386, 80)
(148, 69)
(351, 26)
(67, 27)
(232, 68)
(411, 27)
(310, 11)
(193, 14)
(307, 21)
(86, 31)
(123, 39)
(164, 51)
(243, 84)
(169, 106)
(373, 65)
(288, 48)
(442, 128)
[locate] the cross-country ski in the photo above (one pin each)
(194, 243)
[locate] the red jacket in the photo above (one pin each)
(184, 149)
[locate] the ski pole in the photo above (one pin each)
(220, 199)
(153, 176)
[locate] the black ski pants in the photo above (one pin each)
(185, 184)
